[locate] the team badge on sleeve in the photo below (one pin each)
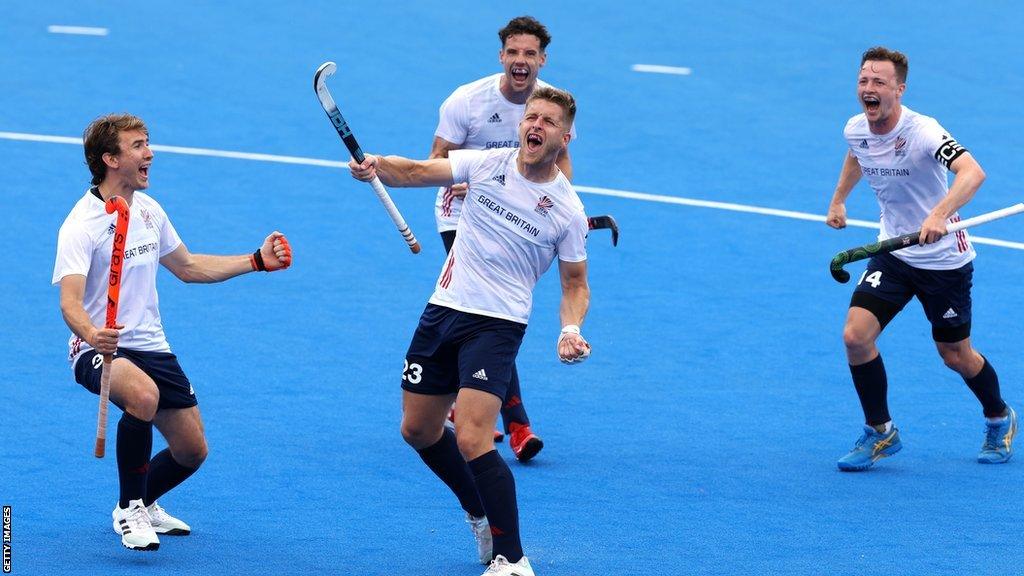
(949, 151)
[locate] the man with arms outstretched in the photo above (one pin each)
(520, 214)
(146, 381)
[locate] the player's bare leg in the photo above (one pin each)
(423, 418)
(880, 438)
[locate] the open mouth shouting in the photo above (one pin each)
(144, 172)
(534, 141)
(519, 73)
(871, 103)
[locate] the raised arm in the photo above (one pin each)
(402, 172)
(848, 178)
(274, 254)
(572, 347)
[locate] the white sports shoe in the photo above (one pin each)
(135, 527)
(482, 532)
(164, 523)
(500, 566)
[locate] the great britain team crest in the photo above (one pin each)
(543, 205)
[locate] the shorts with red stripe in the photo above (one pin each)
(452, 350)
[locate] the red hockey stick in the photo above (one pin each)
(114, 203)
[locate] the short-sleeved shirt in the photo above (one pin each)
(477, 116)
(907, 168)
(510, 231)
(84, 246)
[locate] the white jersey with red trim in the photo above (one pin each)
(908, 169)
(476, 117)
(84, 246)
(510, 232)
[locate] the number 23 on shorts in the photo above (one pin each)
(412, 373)
(875, 278)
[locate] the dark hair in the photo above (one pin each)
(560, 97)
(898, 59)
(525, 25)
(102, 136)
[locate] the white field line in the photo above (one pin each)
(659, 69)
(80, 30)
(642, 196)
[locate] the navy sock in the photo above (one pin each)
(444, 458)
(512, 410)
(164, 474)
(134, 445)
(497, 490)
(872, 386)
(986, 387)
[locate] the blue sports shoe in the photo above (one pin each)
(998, 445)
(871, 446)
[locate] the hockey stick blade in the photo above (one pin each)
(603, 222)
(325, 71)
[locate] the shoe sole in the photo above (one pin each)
(530, 449)
(861, 468)
(148, 548)
(173, 532)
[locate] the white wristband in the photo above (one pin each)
(571, 329)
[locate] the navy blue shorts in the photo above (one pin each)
(175, 389)
(945, 295)
(452, 350)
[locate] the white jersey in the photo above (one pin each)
(84, 247)
(907, 168)
(476, 117)
(510, 232)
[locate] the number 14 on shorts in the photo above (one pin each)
(412, 373)
(875, 278)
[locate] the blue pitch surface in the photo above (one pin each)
(701, 438)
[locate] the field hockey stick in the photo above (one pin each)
(327, 101)
(602, 222)
(900, 242)
(114, 204)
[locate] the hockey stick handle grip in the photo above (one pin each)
(906, 240)
(396, 216)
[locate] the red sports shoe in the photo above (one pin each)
(499, 436)
(525, 444)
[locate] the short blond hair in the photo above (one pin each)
(562, 98)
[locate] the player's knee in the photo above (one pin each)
(472, 443)
(417, 435)
(857, 338)
(956, 360)
(142, 402)
(193, 456)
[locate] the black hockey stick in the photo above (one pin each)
(602, 222)
(900, 242)
(327, 101)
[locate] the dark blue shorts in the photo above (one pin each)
(175, 389)
(452, 350)
(945, 295)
